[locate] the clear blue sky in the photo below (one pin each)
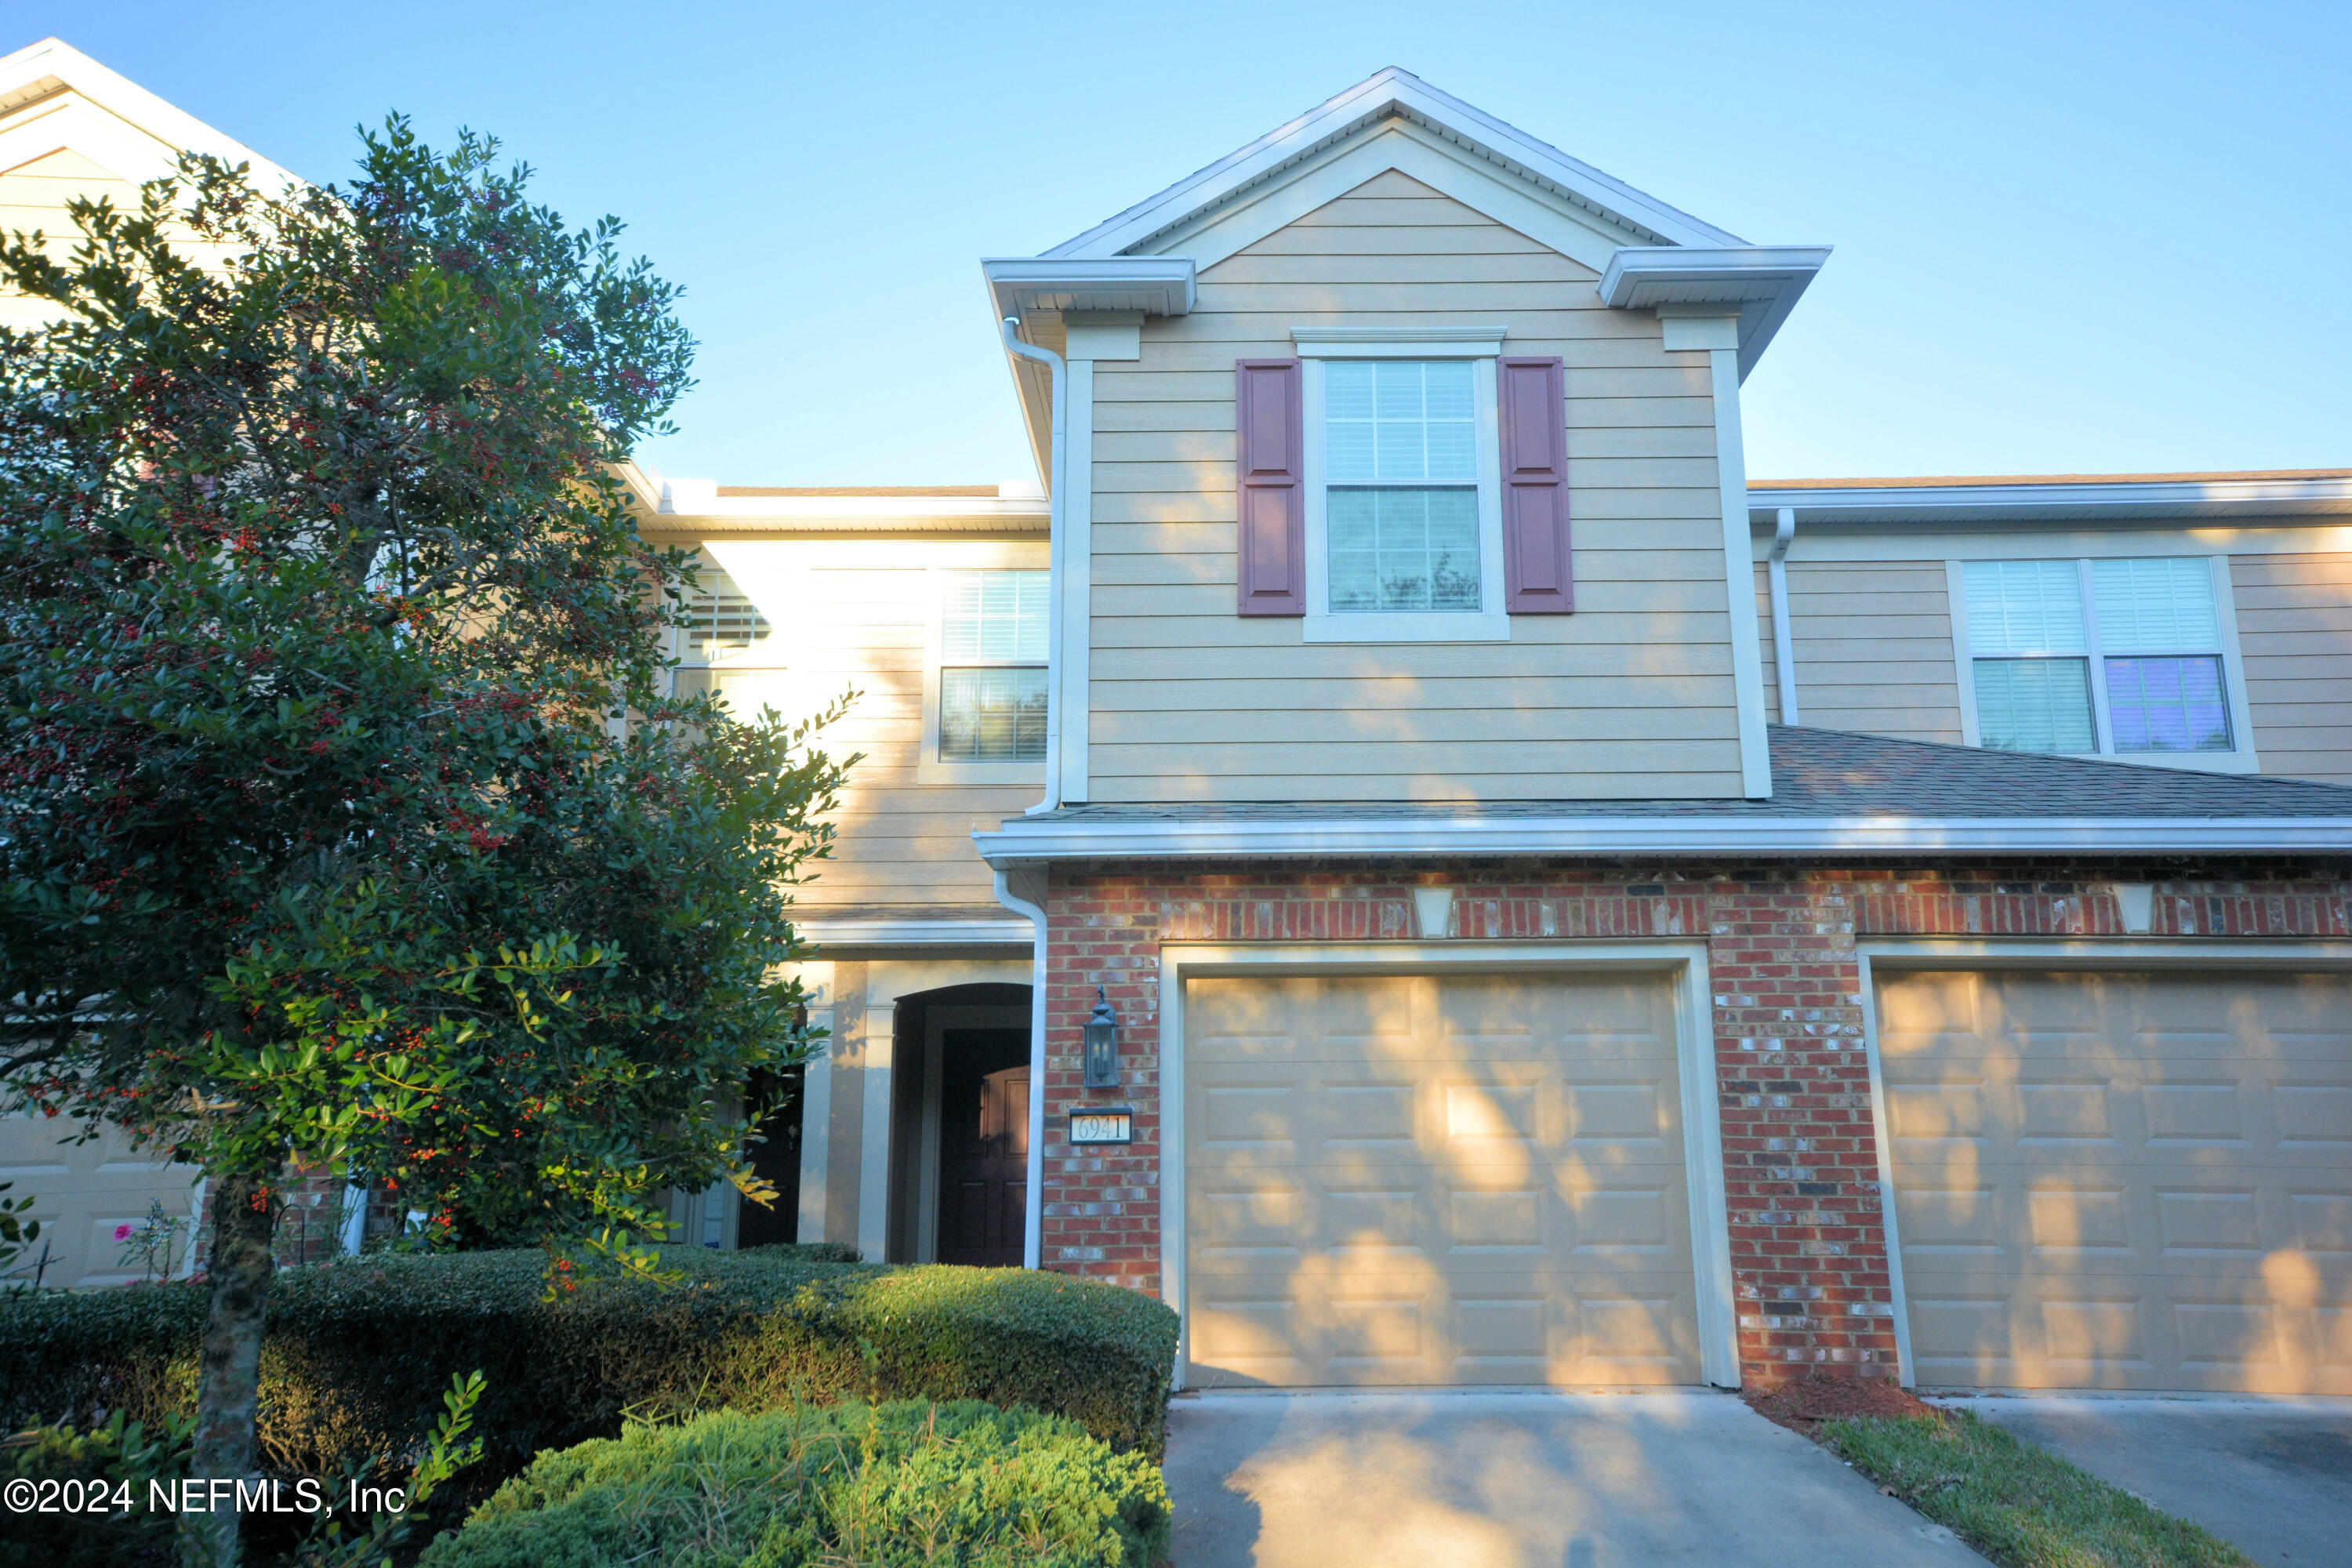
(2070, 237)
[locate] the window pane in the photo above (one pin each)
(2167, 704)
(992, 715)
(994, 615)
(1399, 420)
(2155, 606)
(1404, 549)
(2034, 704)
(724, 620)
(2024, 607)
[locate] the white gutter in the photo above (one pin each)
(1032, 905)
(1784, 648)
(1653, 837)
(1057, 495)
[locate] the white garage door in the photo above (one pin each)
(2124, 1181)
(1410, 1180)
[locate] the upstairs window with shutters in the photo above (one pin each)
(1387, 494)
(2089, 658)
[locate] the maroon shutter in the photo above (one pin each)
(1536, 576)
(1272, 500)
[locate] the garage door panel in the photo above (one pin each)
(1487, 1188)
(2158, 1205)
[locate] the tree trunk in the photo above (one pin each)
(228, 1378)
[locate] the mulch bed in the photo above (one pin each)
(1803, 1403)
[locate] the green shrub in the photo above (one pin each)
(353, 1345)
(893, 1485)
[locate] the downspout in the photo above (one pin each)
(1031, 900)
(1032, 1224)
(1784, 645)
(1057, 463)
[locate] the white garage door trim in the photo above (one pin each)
(1695, 1066)
(2040, 952)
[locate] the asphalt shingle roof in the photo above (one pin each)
(1834, 774)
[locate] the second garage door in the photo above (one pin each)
(2124, 1181)
(1411, 1180)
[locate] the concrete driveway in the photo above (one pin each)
(1518, 1480)
(2274, 1478)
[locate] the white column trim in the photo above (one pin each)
(816, 1114)
(1739, 578)
(874, 1142)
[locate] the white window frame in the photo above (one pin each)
(929, 768)
(1482, 346)
(2240, 759)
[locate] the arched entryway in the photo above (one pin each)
(959, 1126)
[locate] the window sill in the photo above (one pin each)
(1412, 626)
(2186, 762)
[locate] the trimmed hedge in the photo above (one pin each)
(901, 1485)
(357, 1349)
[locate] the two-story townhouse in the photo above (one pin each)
(1502, 994)
(1405, 851)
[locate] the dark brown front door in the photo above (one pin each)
(983, 1146)
(774, 1103)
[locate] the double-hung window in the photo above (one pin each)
(992, 676)
(2113, 657)
(1403, 525)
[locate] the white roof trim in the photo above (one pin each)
(53, 64)
(1030, 843)
(2125, 501)
(830, 934)
(1155, 285)
(1764, 281)
(1394, 93)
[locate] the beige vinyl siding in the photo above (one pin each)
(1632, 694)
(33, 196)
(2295, 634)
(1874, 648)
(903, 845)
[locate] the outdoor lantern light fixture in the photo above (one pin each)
(1102, 1045)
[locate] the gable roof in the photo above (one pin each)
(1396, 94)
(53, 96)
(1833, 793)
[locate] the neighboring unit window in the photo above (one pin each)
(724, 629)
(992, 667)
(724, 620)
(1401, 475)
(2147, 652)
(2162, 646)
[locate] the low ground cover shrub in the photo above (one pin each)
(893, 1485)
(354, 1347)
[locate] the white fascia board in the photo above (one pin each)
(1155, 285)
(2126, 501)
(25, 74)
(1763, 281)
(1393, 93)
(1018, 514)
(1656, 836)
(830, 936)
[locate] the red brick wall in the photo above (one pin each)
(1808, 1252)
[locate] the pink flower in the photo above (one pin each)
(123, 1232)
